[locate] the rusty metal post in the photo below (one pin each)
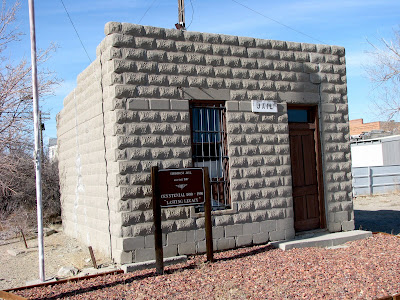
(23, 236)
(92, 257)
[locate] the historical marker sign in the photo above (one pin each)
(178, 187)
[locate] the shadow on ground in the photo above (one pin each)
(380, 220)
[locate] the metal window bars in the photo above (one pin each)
(209, 148)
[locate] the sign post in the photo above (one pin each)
(180, 187)
(207, 215)
(157, 221)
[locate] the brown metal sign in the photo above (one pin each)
(178, 187)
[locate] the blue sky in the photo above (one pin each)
(347, 23)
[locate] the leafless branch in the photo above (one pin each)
(384, 72)
(17, 178)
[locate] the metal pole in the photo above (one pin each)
(37, 154)
(369, 180)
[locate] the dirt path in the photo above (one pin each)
(19, 265)
(378, 213)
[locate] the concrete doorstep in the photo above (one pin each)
(322, 239)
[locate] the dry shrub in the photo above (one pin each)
(18, 201)
(19, 219)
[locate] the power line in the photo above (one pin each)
(280, 23)
(191, 21)
(151, 5)
(76, 31)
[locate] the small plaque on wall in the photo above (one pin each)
(269, 106)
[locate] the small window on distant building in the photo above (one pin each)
(209, 148)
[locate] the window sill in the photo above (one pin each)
(230, 211)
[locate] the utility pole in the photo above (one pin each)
(37, 154)
(181, 15)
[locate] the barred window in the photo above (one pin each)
(209, 148)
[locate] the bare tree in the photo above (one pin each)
(16, 99)
(384, 72)
(17, 173)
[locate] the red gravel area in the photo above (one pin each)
(367, 269)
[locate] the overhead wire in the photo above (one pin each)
(280, 23)
(191, 21)
(76, 31)
(151, 5)
(102, 113)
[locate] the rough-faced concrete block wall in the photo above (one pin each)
(82, 165)
(150, 74)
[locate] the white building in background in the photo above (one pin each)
(53, 149)
(382, 151)
(376, 165)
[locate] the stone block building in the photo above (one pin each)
(179, 99)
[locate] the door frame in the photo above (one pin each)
(314, 122)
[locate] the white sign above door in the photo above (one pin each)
(270, 106)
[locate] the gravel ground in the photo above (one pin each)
(375, 213)
(366, 269)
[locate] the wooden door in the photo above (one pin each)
(306, 196)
